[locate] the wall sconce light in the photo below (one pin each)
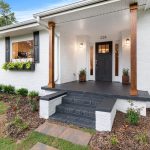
(127, 41)
(81, 45)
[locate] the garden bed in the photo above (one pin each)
(21, 115)
(127, 137)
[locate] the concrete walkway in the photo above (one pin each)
(69, 134)
(40, 146)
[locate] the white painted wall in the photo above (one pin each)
(67, 58)
(143, 50)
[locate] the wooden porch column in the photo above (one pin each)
(51, 26)
(133, 16)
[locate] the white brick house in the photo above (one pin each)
(64, 40)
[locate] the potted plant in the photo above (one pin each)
(82, 75)
(125, 76)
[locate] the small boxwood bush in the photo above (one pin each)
(22, 91)
(1, 87)
(33, 94)
(9, 89)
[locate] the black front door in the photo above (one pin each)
(104, 61)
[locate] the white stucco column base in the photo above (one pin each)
(48, 108)
(104, 120)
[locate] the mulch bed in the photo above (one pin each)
(20, 106)
(125, 134)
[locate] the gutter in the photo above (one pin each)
(82, 5)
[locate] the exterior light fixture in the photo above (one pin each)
(127, 41)
(81, 45)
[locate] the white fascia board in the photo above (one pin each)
(18, 28)
(73, 8)
(28, 22)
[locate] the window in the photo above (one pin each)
(91, 60)
(103, 49)
(23, 49)
(116, 59)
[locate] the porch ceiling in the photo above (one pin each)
(110, 25)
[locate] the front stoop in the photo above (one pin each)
(41, 146)
(74, 136)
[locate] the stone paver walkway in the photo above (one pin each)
(40, 146)
(72, 135)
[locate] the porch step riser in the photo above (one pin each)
(72, 119)
(75, 111)
(91, 102)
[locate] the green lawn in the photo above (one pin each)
(33, 138)
(3, 108)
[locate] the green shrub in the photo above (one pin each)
(142, 138)
(114, 141)
(33, 105)
(1, 87)
(9, 89)
(22, 91)
(27, 65)
(18, 122)
(133, 116)
(33, 94)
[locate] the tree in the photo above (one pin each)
(6, 16)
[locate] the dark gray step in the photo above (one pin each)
(79, 110)
(75, 120)
(92, 101)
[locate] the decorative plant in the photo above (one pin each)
(82, 75)
(22, 91)
(28, 65)
(17, 65)
(33, 94)
(125, 76)
(82, 72)
(125, 72)
(33, 105)
(1, 87)
(9, 89)
(142, 138)
(114, 141)
(133, 114)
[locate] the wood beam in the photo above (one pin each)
(133, 25)
(51, 26)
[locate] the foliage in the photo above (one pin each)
(142, 138)
(27, 65)
(17, 65)
(3, 108)
(33, 94)
(18, 122)
(1, 87)
(22, 91)
(33, 105)
(114, 141)
(82, 72)
(6, 16)
(126, 72)
(9, 89)
(133, 114)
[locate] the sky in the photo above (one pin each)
(24, 9)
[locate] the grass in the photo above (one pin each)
(3, 108)
(33, 138)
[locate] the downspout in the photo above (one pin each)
(43, 24)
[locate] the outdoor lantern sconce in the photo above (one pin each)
(127, 41)
(81, 45)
